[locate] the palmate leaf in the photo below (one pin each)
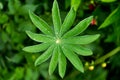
(56, 17)
(79, 49)
(62, 63)
(79, 28)
(60, 42)
(54, 60)
(40, 24)
(73, 58)
(39, 37)
(37, 48)
(81, 39)
(67, 24)
(45, 56)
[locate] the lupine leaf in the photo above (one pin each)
(81, 39)
(54, 60)
(73, 58)
(45, 56)
(111, 18)
(64, 44)
(80, 49)
(39, 37)
(37, 48)
(40, 24)
(62, 63)
(67, 24)
(79, 28)
(56, 17)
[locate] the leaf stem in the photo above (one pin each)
(109, 54)
(100, 60)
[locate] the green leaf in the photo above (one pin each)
(80, 49)
(45, 56)
(40, 24)
(81, 39)
(1, 6)
(68, 21)
(37, 48)
(56, 17)
(15, 58)
(3, 18)
(73, 58)
(4, 36)
(79, 28)
(62, 63)
(39, 37)
(24, 8)
(111, 18)
(108, 1)
(54, 60)
(13, 6)
(75, 4)
(67, 4)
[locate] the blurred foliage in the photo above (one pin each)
(16, 64)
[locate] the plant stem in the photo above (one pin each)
(103, 58)
(98, 61)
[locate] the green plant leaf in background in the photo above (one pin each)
(1, 6)
(75, 4)
(111, 18)
(52, 43)
(108, 1)
(3, 18)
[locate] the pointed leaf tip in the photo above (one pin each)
(68, 21)
(79, 28)
(62, 63)
(40, 24)
(45, 56)
(86, 39)
(56, 17)
(73, 58)
(54, 61)
(36, 48)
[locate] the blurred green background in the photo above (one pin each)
(15, 64)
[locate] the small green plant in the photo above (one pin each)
(60, 42)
